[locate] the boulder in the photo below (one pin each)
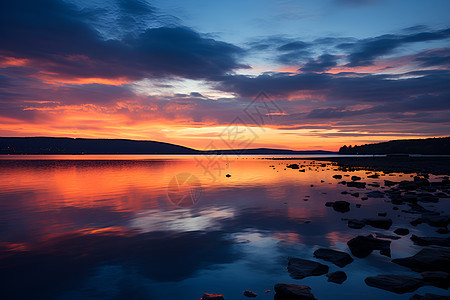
(286, 291)
(362, 246)
(339, 258)
(399, 284)
(341, 206)
(300, 268)
(355, 178)
(337, 277)
(429, 259)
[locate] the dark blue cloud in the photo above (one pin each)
(364, 52)
(439, 57)
(59, 38)
(321, 64)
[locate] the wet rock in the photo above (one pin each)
(362, 246)
(401, 231)
(329, 204)
(341, 206)
(337, 176)
(300, 268)
(212, 297)
(374, 184)
(356, 224)
(433, 220)
(228, 175)
(339, 258)
(379, 223)
(293, 166)
(375, 194)
(429, 297)
(421, 181)
(337, 277)
(355, 194)
(286, 291)
(382, 214)
(389, 183)
(428, 241)
(399, 284)
(408, 185)
(355, 184)
(250, 294)
(355, 178)
(429, 259)
(437, 278)
(373, 176)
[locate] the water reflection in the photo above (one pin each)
(97, 228)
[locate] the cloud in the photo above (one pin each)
(365, 51)
(321, 64)
(58, 38)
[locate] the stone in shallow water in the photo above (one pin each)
(355, 224)
(355, 184)
(250, 294)
(428, 241)
(375, 194)
(437, 278)
(339, 258)
(207, 296)
(399, 284)
(300, 268)
(379, 223)
(286, 291)
(341, 206)
(362, 246)
(337, 277)
(401, 231)
(430, 259)
(429, 297)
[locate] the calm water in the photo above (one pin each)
(174, 227)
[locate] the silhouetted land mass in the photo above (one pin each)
(50, 145)
(431, 146)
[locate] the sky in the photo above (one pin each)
(288, 74)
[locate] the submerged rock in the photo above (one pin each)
(362, 246)
(300, 268)
(212, 297)
(339, 258)
(341, 206)
(428, 241)
(430, 259)
(337, 277)
(399, 284)
(287, 291)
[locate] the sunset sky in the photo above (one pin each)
(208, 74)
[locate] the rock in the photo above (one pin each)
(373, 176)
(337, 176)
(228, 175)
(293, 166)
(389, 183)
(374, 184)
(375, 194)
(399, 284)
(387, 236)
(341, 206)
(355, 178)
(337, 277)
(428, 241)
(436, 221)
(286, 291)
(339, 258)
(250, 294)
(382, 214)
(442, 230)
(429, 297)
(362, 246)
(329, 204)
(430, 259)
(379, 223)
(212, 297)
(401, 231)
(355, 224)
(437, 278)
(355, 184)
(300, 268)
(355, 194)
(408, 185)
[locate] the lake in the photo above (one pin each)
(175, 227)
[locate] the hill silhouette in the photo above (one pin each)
(430, 146)
(53, 145)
